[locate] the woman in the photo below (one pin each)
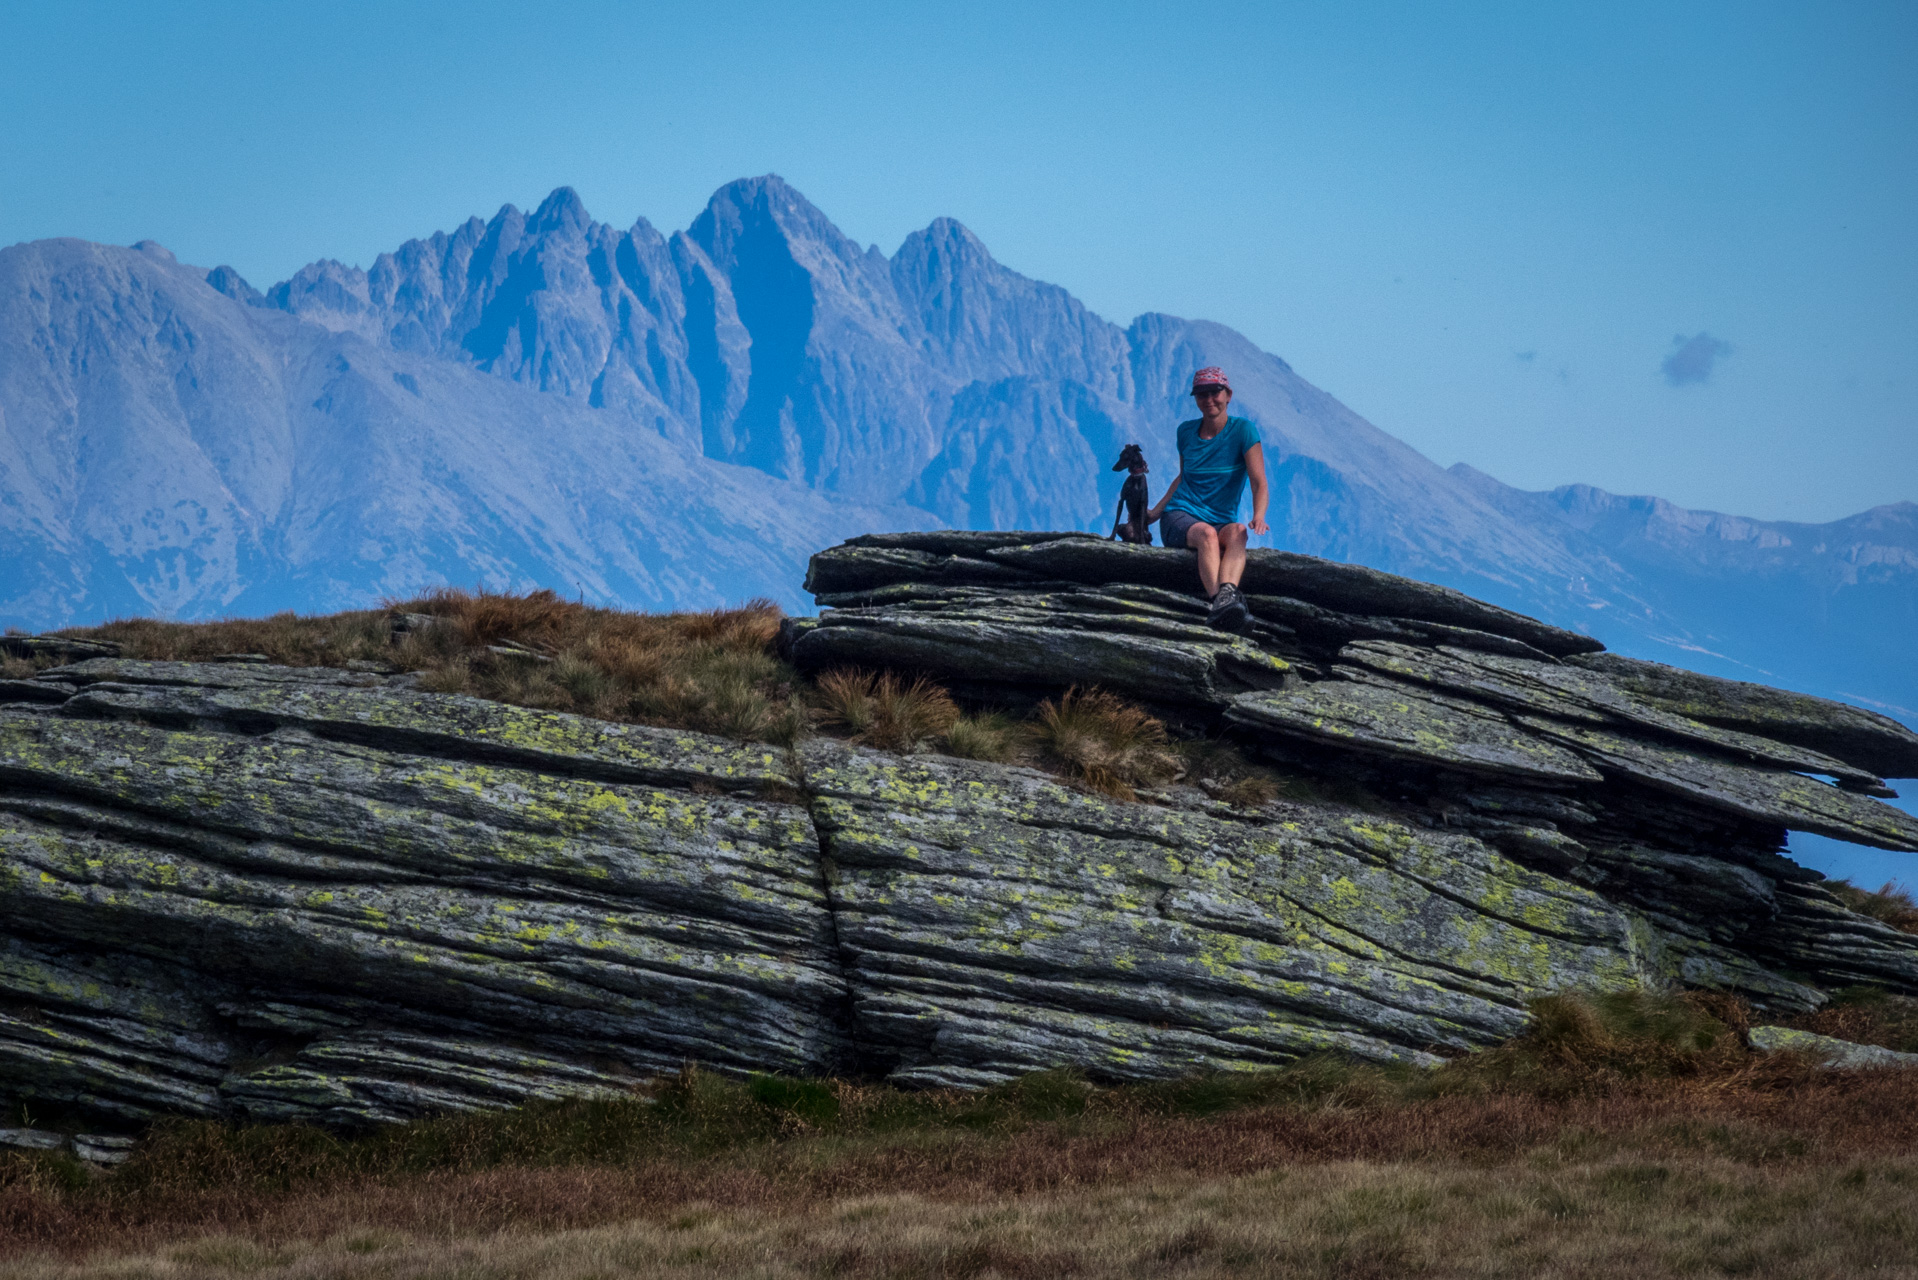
(1200, 512)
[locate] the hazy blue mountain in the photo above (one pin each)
(541, 397)
(1835, 604)
(166, 448)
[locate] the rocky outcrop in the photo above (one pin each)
(1664, 790)
(227, 900)
(994, 922)
(1844, 1055)
(256, 892)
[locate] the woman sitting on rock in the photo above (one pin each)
(1201, 510)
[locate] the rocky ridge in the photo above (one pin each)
(254, 892)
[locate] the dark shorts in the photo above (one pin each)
(1173, 526)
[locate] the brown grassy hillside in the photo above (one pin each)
(1627, 1135)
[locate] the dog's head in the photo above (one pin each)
(1129, 457)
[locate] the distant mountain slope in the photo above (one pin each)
(799, 353)
(169, 450)
(541, 397)
(1836, 603)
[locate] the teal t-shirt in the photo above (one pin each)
(1214, 470)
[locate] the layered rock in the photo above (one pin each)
(224, 898)
(1844, 1055)
(253, 892)
(1665, 790)
(994, 922)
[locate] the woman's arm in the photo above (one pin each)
(1255, 472)
(1166, 497)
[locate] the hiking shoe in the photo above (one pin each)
(1227, 612)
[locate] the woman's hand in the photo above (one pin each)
(1165, 497)
(1255, 472)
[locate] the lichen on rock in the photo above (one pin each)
(237, 890)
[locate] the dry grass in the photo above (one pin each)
(1808, 1178)
(715, 672)
(1354, 1220)
(296, 640)
(712, 671)
(1624, 1117)
(1220, 769)
(1582, 1045)
(886, 710)
(1105, 742)
(1892, 903)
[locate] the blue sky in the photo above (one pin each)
(1663, 248)
(1666, 248)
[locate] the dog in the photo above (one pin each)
(1128, 519)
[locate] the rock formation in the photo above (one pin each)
(256, 892)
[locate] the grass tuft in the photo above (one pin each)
(993, 736)
(1220, 769)
(292, 639)
(1107, 743)
(539, 619)
(1254, 791)
(1891, 903)
(884, 710)
(1580, 1043)
(12, 668)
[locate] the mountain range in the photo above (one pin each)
(677, 420)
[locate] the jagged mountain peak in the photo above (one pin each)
(947, 251)
(948, 235)
(562, 210)
(768, 190)
(979, 316)
(751, 218)
(231, 283)
(764, 336)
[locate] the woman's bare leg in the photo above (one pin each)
(1204, 540)
(1231, 546)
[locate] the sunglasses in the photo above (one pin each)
(1206, 393)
